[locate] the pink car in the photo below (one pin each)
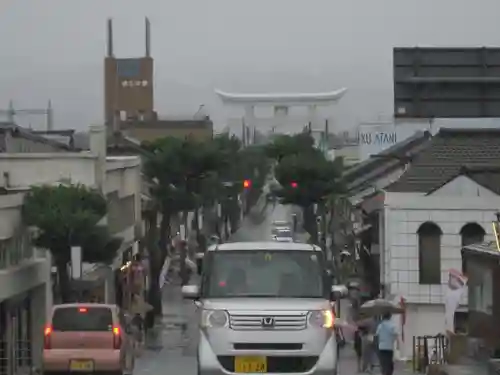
(87, 338)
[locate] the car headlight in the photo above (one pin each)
(322, 318)
(214, 319)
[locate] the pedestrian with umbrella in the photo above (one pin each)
(386, 332)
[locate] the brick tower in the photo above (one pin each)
(128, 85)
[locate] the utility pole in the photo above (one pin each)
(243, 133)
(327, 133)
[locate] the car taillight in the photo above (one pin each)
(46, 337)
(117, 337)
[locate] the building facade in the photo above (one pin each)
(445, 198)
(25, 272)
(25, 287)
(414, 206)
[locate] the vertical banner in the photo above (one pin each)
(452, 295)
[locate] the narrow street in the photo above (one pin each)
(175, 352)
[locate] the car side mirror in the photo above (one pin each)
(190, 292)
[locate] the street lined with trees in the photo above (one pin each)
(307, 179)
(220, 177)
(187, 175)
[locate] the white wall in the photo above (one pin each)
(123, 175)
(26, 169)
(405, 213)
(422, 319)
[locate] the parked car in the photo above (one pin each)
(89, 338)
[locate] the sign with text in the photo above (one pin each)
(373, 138)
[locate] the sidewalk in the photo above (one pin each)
(348, 364)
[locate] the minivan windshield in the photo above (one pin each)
(263, 273)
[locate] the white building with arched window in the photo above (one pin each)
(429, 202)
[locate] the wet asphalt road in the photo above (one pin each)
(173, 350)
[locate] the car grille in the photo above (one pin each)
(281, 322)
(277, 364)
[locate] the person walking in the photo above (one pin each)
(368, 328)
(386, 337)
(353, 317)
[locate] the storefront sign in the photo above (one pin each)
(378, 138)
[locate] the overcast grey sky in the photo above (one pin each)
(54, 49)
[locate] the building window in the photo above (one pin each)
(429, 253)
(471, 233)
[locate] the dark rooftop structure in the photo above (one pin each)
(450, 153)
(34, 137)
(201, 129)
(65, 136)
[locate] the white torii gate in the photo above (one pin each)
(281, 102)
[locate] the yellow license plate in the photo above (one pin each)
(250, 364)
(81, 365)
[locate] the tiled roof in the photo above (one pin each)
(445, 157)
(385, 161)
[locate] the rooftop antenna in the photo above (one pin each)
(110, 37)
(148, 38)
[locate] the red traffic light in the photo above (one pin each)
(294, 185)
(247, 184)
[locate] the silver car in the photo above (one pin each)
(282, 234)
(265, 308)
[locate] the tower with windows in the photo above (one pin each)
(128, 84)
